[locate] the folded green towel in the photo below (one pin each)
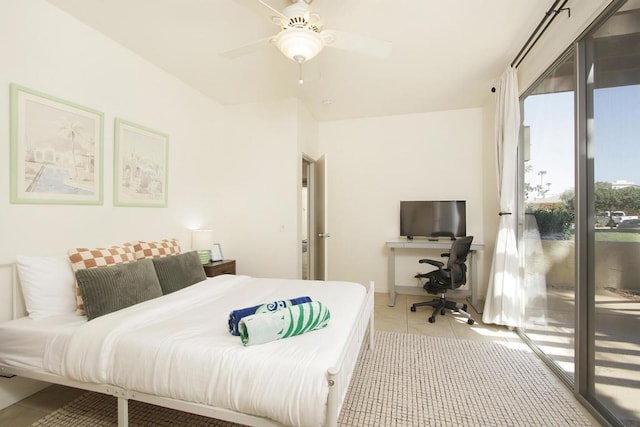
(236, 315)
(287, 322)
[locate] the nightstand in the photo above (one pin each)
(216, 268)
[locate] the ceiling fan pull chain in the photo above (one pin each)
(300, 80)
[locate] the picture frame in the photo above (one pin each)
(56, 150)
(216, 252)
(141, 156)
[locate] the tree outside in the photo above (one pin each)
(557, 221)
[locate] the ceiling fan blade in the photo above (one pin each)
(247, 48)
(262, 8)
(357, 43)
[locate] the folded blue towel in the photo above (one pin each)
(236, 315)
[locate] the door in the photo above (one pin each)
(612, 55)
(320, 209)
(582, 281)
(547, 238)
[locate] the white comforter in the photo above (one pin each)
(179, 346)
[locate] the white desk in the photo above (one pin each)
(430, 244)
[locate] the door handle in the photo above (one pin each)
(324, 235)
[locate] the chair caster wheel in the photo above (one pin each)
(413, 308)
(464, 307)
(471, 321)
(432, 319)
(442, 312)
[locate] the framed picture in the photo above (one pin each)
(140, 166)
(216, 252)
(56, 150)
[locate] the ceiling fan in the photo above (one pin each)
(302, 36)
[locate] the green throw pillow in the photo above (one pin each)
(108, 289)
(179, 271)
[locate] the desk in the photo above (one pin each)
(443, 245)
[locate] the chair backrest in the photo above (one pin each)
(457, 257)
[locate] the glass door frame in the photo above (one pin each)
(562, 374)
(583, 381)
(585, 338)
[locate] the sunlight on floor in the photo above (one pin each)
(617, 348)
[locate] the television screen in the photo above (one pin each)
(433, 218)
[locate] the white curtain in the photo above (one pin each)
(535, 278)
(504, 304)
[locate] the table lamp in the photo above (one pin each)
(201, 241)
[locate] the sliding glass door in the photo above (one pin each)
(612, 76)
(547, 233)
(580, 215)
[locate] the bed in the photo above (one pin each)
(176, 351)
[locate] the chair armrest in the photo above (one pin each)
(445, 255)
(432, 262)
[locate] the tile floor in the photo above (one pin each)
(394, 319)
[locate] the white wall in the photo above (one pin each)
(375, 163)
(307, 132)
(258, 170)
(307, 147)
(53, 53)
(491, 199)
(44, 49)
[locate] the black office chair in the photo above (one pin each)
(443, 279)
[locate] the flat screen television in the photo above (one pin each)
(433, 219)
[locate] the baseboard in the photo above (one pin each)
(478, 307)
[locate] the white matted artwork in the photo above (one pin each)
(216, 252)
(56, 150)
(140, 166)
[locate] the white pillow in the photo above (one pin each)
(47, 284)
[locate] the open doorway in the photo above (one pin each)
(314, 219)
(306, 219)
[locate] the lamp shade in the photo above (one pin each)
(201, 240)
(299, 44)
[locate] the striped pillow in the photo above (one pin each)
(147, 250)
(83, 258)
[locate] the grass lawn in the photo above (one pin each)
(617, 236)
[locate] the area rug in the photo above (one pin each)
(409, 380)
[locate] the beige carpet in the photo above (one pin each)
(409, 380)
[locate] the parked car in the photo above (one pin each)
(611, 219)
(616, 216)
(629, 223)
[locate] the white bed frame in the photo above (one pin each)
(338, 378)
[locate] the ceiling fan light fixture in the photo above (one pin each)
(299, 44)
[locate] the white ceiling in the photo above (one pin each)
(446, 54)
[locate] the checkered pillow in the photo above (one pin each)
(83, 258)
(160, 249)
